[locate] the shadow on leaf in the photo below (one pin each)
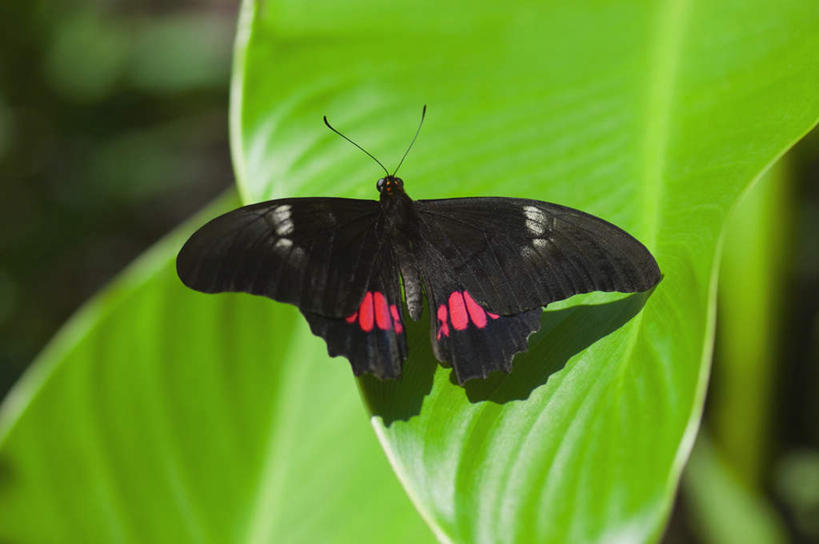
(401, 399)
(562, 335)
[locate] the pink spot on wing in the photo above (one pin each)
(365, 318)
(493, 316)
(457, 311)
(382, 311)
(443, 326)
(396, 318)
(476, 313)
(351, 318)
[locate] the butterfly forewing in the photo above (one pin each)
(316, 253)
(515, 254)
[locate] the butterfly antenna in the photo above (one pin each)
(326, 122)
(423, 113)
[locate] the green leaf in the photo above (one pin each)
(656, 117)
(747, 351)
(163, 415)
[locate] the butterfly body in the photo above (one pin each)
(402, 228)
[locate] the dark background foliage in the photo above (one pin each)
(113, 130)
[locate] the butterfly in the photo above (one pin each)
(358, 268)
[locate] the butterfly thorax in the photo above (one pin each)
(401, 218)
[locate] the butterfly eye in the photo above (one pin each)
(380, 184)
(399, 182)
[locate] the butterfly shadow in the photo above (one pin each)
(562, 334)
(401, 399)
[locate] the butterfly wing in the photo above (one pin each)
(515, 254)
(489, 264)
(372, 337)
(316, 253)
(474, 340)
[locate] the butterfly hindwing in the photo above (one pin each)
(372, 337)
(474, 340)
(516, 254)
(316, 253)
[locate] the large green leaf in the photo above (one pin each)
(162, 415)
(655, 116)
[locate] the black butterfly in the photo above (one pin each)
(486, 266)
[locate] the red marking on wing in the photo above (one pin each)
(476, 313)
(365, 319)
(382, 311)
(460, 309)
(457, 311)
(396, 318)
(376, 311)
(443, 328)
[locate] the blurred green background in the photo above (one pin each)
(113, 130)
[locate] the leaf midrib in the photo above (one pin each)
(672, 20)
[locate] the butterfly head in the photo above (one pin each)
(390, 185)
